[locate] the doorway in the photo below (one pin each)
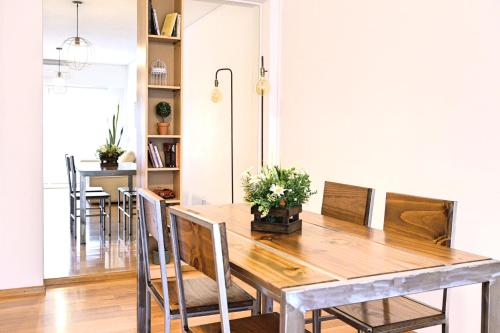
(78, 105)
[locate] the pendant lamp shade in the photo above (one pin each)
(77, 50)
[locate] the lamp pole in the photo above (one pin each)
(232, 127)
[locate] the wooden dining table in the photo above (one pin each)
(331, 263)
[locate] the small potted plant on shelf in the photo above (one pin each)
(110, 152)
(163, 109)
(276, 195)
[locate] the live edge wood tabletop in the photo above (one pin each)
(332, 263)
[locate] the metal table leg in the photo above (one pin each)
(267, 304)
(490, 307)
(291, 319)
(130, 183)
(83, 209)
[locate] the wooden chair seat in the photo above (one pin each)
(91, 189)
(94, 195)
(267, 323)
(202, 296)
(123, 189)
(390, 314)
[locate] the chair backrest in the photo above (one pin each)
(202, 244)
(152, 221)
(348, 202)
(420, 218)
(71, 170)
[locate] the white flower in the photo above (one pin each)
(254, 180)
(277, 189)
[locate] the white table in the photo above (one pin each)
(94, 169)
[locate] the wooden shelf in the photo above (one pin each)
(170, 51)
(162, 169)
(163, 39)
(172, 88)
(168, 136)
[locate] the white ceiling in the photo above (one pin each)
(110, 25)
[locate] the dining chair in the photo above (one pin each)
(200, 296)
(70, 174)
(414, 219)
(348, 203)
(126, 207)
(103, 199)
(202, 244)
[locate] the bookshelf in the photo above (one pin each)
(169, 50)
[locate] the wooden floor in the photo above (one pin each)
(97, 307)
(65, 257)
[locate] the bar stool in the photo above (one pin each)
(126, 207)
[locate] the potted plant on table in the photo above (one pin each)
(163, 109)
(276, 195)
(110, 152)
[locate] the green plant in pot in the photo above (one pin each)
(276, 195)
(111, 151)
(163, 110)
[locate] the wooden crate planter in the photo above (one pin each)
(286, 220)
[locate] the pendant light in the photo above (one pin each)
(77, 50)
(59, 82)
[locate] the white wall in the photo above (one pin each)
(402, 96)
(21, 236)
(219, 36)
(82, 115)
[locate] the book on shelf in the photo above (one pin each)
(177, 27)
(157, 154)
(150, 155)
(154, 161)
(169, 24)
(154, 156)
(171, 151)
(177, 155)
(155, 21)
(150, 18)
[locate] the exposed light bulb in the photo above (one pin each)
(216, 95)
(59, 84)
(262, 87)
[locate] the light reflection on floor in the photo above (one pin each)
(64, 256)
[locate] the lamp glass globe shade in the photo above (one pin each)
(77, 51)
(216, 95)
(262, 87)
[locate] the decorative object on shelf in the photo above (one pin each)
(262, 88)
(277, 195)
(216, 98)
(158, 73)
(111, 151)
(163, 109)
(77, 50)
(59, 82)
(164, 193)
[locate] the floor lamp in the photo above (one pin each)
(262, 88)
(217, 97)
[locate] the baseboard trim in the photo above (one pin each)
(28, 291)
(103, 276)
